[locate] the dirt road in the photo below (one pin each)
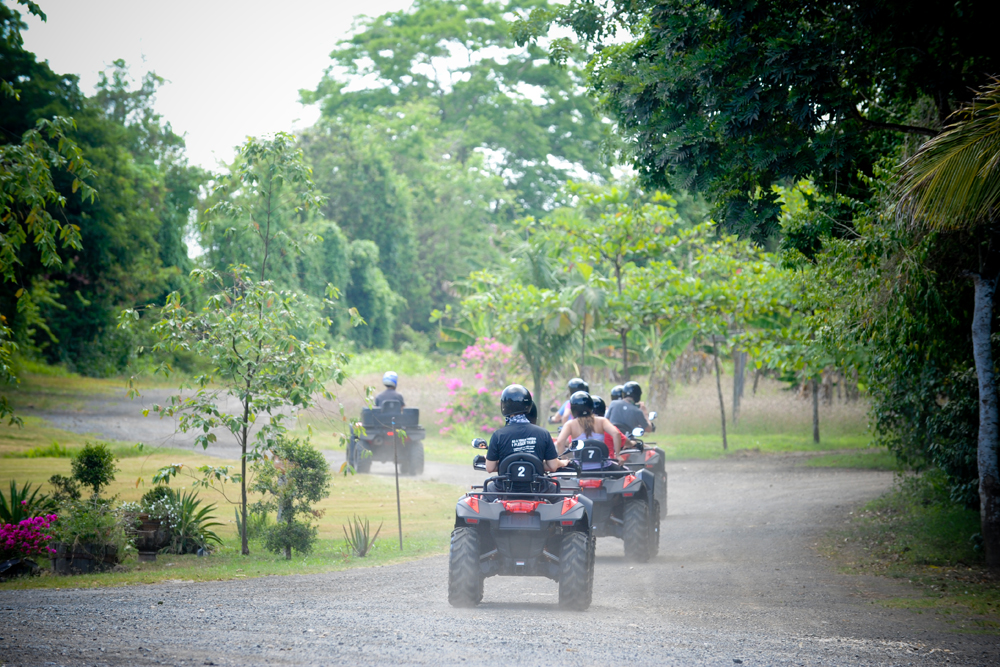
(736, 582)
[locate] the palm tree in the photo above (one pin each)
(953, 184)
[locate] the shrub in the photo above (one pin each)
(359, 538)
(28, 537)
(67, 489)
(258, 523)
(95, 466)
(294, 478)
(23, 503)
(475, 405)
(92, 521)
(151, 497)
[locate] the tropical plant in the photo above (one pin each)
(92, 521)
(190, 523)
(24, 503)
(94, 466)
(258, 523)
(952, 184)
(65, 489)
(359, 537)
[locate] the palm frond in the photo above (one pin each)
(953, 182)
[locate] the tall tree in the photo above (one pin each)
(953, 184)
(728, 97)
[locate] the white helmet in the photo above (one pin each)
(390, 379)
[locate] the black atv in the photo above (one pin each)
(382, 432)
(625, 499)
(638, 454)
(521, 524)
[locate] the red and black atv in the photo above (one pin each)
(628, 500)
(521, 523)
(640, 455)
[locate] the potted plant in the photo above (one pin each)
(91, 537)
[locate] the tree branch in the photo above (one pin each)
(895, 127)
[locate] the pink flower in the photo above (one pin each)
(488, 429)
(479, 376)
(482, 390)
(454, 384)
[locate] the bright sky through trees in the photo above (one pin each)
(233, 68)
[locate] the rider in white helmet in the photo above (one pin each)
(390, 380)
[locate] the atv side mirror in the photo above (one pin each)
(652, 415)
(479, 443)
(637, 432)
(479, 462)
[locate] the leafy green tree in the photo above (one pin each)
(953, 184)
(368, 291)
(249, 332)
(726, 97)
(293, 478)
(94, 466)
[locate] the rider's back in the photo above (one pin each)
(625, 413)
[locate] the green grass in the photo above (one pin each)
(328, 555)
(405, 363)
(709, 446)
(55, 450)
(914, 532)
(865, 459)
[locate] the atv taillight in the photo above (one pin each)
(591, 483)
(569, 503)
(390, 433)
(472, 502)
(650, 454)
(628, 480)
(521, 506)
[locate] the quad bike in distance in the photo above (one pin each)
(385, 430)
(521, 523)
(637, 454)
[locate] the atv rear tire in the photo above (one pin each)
(654, 530)
(465, 580)
(362, 458)
(636, 530)
(593, 561)
(416, 453)
(576, 572)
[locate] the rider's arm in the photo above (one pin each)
(491, 466)
(615, 435)
(493, 454)
(552, 464)
(564, 436)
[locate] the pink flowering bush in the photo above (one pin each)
(475, 406)
(29, 537)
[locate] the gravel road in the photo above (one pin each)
(737, 581)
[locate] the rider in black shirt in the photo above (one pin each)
(520, 435)
(625, 413)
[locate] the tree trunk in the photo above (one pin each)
(989, 419)
(625, 373)
(739, 373)
(288, 547)
(583, 346)
(718, 386)
(814, 387)
(245, 547)
(536, 394)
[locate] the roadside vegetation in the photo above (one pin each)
(917, 533)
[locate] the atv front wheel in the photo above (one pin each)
(576, 568)
(636, 530)
(465, 581)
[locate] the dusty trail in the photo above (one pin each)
(737, 581)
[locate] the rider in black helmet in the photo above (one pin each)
(520, 435)
(627, 413)
(616, 392)
(588, 426)
(564, 414)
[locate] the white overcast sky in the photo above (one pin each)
(233, 68)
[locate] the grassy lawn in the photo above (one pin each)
(427, 513)
(915, 533)
(867, 459)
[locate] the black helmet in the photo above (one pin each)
(599, 407)
(533, 413)
(577, 384)
(515, 400)
(581, 404)
(616, 392)
(632, 390)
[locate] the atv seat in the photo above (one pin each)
(522, 473)
(594, 455)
